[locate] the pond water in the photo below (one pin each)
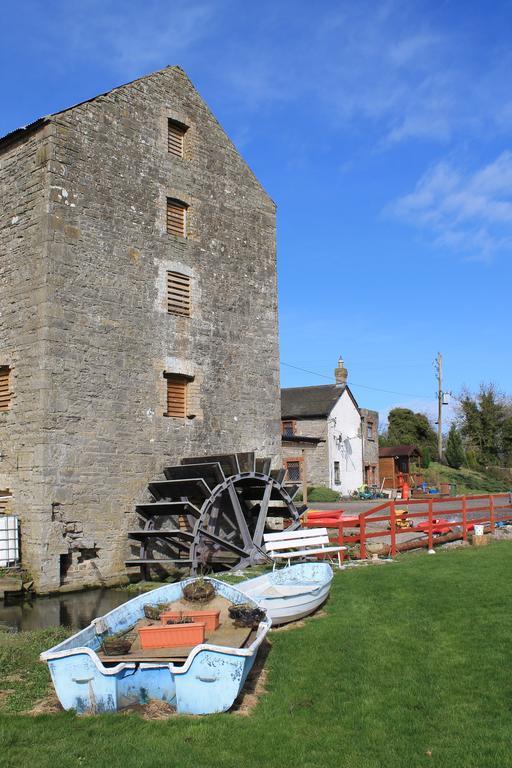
(74, 609)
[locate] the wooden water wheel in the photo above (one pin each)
(210, 513)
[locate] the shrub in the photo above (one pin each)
(454, 452)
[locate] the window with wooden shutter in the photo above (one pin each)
(5, 388)
(176, 217)
(176, 395)
(176, 137)
(178, 294)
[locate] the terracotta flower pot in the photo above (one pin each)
(210, 618)
(171, 635)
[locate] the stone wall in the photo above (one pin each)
(23, 336)
(370, 444)
(108, 338)
(316, 456)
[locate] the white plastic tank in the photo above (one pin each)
(9, 540)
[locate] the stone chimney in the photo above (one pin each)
(340, 373)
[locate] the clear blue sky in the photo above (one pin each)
(381, 130)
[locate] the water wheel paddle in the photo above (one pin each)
(210, 513)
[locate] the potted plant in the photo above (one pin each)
(118, 644)
(153, 612)
(210, 618)
(199, 591)
(246, 615)
(182, 632)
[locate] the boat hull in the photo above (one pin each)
(209, 681)
(290, 593)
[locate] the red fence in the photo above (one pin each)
(437, 521)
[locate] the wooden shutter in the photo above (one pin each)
(5, 389)
(178, 294)
(5, 499)
(175, 137)
(176, 396)
(176, 217)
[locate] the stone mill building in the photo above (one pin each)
(138, 316)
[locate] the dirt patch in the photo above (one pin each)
(255, 685)
(50, 705)
(4, 695)
(14, 678)
(320, 614)
(156, 710)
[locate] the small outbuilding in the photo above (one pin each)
(395, 462)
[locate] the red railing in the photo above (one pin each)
(441, 519)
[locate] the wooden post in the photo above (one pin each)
(362, 537)
(439, 366)
(392, 525)
(430, 524)
(341, 539)
(491, 512)
(304, 477)
(464, 519)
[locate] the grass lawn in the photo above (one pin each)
(411, 658)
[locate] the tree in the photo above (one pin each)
(486, 426)
(409, 428)
(425, 458)
(454, 452)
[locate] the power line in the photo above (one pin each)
(353, 383)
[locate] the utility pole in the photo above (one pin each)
(439, 369)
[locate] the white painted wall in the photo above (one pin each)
(345, 445)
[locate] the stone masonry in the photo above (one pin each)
(315, 455)
(370, 432)
(84, 325)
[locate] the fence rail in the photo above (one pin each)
(402, 525)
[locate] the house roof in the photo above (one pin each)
(310, 402)
(398, 450)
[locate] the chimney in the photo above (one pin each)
(340, 373)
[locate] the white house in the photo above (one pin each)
(322, 435)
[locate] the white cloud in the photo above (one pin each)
(387, 68)
(387, 64)
(466, 211)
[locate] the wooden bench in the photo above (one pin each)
(287, 545)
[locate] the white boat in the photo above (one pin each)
(290, 593)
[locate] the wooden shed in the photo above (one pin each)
(395, 464)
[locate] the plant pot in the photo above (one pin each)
(199, 591)
(116, 646)
(153, 611)
(171, 635)
(246, 615)
(210, 618)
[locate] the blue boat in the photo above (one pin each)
(290, 593)
(207, 679)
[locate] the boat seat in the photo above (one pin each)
(278, 590)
